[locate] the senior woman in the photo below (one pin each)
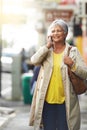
(55, 104)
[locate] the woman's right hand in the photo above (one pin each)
(49, 42)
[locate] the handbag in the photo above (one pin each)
(79, 84)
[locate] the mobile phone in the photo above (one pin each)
(50, 39)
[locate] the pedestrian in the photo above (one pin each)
(55, 105)
(23, 61)
(34, 78)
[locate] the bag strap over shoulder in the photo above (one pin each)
(69, 50)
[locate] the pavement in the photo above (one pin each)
(83, 109)
(14, 115)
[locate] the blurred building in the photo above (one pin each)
(38, 14)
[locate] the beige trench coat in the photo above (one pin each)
(44, 58)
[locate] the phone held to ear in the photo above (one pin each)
(50, 42)
(50, 39)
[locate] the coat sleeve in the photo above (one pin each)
(80, 65)
(39, 56)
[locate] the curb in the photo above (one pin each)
(6, 114)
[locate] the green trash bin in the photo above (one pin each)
(27, 96)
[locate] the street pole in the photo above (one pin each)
(0, 43)
(0, 64)
(16, 78)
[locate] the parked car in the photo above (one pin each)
(7, 59)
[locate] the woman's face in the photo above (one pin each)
(58, 34)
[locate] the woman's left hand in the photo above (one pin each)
(68, 61)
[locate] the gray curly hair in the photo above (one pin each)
(59, 22)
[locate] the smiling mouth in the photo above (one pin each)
(56, 37)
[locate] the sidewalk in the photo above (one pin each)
(83, 108)
(14, 115)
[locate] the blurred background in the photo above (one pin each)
(23, 29)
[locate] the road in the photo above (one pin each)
(6, 83)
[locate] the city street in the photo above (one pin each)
(18, 119)
(28, 25)
(6, 83)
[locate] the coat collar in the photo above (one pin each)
(50, 55)
(65, 53)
